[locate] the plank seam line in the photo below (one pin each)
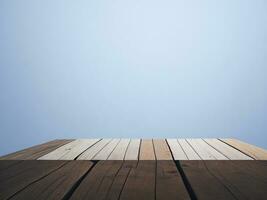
(181, 148)
(225, 186)
(238, 149)
(86, 149)
(127, 149)
(139, 149)
(193, 149)
(101, 149)
(78, 182)
(156, 168)
(124, 183)
(186, 183)
(114, 148)
(215, 149)
(109, 188)
(35, 181)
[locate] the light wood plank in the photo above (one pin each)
(107, 150)
(255, 152)
(93, 150)
(227, 150)
(119, 151)
(189, 151)
(70, 151)
(37, 151)
(147, 150)
(132, 152)
(205, 151)
(177, 150)
(162, 150)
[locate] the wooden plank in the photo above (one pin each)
(244, 179)
(120, 150)
(57, 184)
(35, 152)
(147, 150)
(205, 151)
(162, 151)
(107, 150)
(132, 152)
(254, 152)
(176, 149)
(204, 184)
(140, 183)
(227, 150)
(120, 179)
(189, 151)
(16, 177)
(70, 151)
(97, 183)
(169, 183)
(93, 150)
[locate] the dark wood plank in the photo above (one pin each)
(120, 179)
(245, 179)
(169, 183)
(35, 152)
(20, 174)
(57, 184)
(98, 182)
(204, 184)
(140, 183)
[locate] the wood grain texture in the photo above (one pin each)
(35, 152)
(120, 179)
(119, 152)
(189, 151)
(254, 152)
(169, 184)
(107, 150)
(176, 149)
(147, 150)
(205, 151)
(244, 179)
(132, 152)
(70, 151)
(205, 185)
(93, 150)
(162, 151)
(97, 183)
(227, 150)
(140, 183)
(57, 184)
(19, 175)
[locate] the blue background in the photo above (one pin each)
(132, 68)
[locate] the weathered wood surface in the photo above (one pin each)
(70, 151)
(143, 179)
(37, 151)
(255, 152)
(147, 150)
(227, 179)
(141, 149)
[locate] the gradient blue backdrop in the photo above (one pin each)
(132, 68)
